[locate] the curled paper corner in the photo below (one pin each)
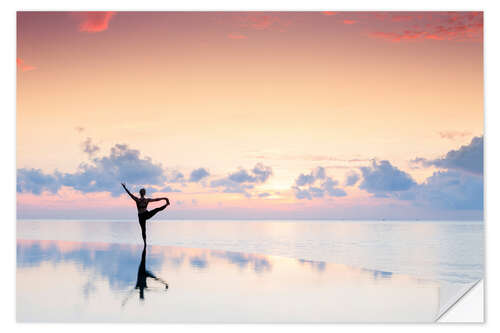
(462, 303)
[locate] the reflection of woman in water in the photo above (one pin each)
(143, 274)
(142, 205)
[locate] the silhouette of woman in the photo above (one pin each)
(142, 205)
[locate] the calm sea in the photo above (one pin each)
(451, 252)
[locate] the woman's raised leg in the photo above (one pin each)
(156, 210)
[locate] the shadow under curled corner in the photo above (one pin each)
(462, 303)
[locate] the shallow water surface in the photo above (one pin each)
(448, 252)
(67, 281)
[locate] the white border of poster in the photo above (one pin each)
(468, 309)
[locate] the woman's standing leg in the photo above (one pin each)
(142, 223)
(146, 216)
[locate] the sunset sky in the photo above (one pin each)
(331, 115)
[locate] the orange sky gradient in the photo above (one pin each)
(228, 90)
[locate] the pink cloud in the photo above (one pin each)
(236, 36)
(263, 21)
(391, 36)
(350, 21)
(436, 37)
(328, 13)
(454, 134)
(23, 67)
(94, 21)
(398, 37)
(243, 22)
(452, 26)
(401, 18)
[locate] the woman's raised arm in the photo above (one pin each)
(131, 195)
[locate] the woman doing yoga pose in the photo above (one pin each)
(142, 205)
